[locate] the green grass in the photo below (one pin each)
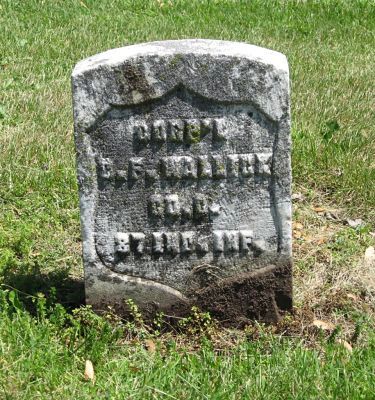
(330, 48)
(43, 357)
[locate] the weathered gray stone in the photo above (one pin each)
(183, 152)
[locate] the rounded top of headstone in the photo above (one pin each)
(186, 46)
(223, 71)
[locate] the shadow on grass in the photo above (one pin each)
(57, 286)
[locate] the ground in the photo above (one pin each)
(325, 348)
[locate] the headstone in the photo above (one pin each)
(183, 152)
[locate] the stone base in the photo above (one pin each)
(263, 295)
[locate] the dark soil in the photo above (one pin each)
(263, 295)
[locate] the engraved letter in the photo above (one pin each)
(186, 210)
(187, 242)
(218, 167)
(200, 207)
(247, 165)
(176, 131)
(169, 167)
(157, 243)
(192, 131)
(156, 206)
(218, 241)
(214, 211)
(159, 132)
(246, 238)
(172, 206)
(264, 164)
(141, 133)
(231, 241)
(232, 165)
(188, 167)
(207, 126)
(105, 167)
(122, 243)
(202, 244)
(151, 175)
(204, 167)
(138, 242)
(259, 245)
(135, 168)
(172, 242)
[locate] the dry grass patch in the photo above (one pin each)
(333, 281)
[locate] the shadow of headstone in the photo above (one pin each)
(56, 286)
